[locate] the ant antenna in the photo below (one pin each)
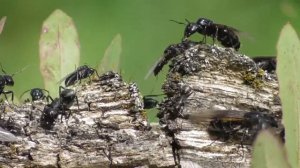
(98, 74)
(178, 22)
(24, 93)
(187, 20)
(2, 68)
(20, 70)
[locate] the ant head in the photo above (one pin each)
(204, 22)
(190, 29)
(69, 94)
(8, 80)
(260, 119)
(85, 69)
(90, 70)
(36, 94)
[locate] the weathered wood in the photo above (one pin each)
(210, 77)
(109, 129)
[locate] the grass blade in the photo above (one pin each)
(288, 68)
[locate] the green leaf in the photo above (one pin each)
(268, 152)
(59, 49)
(112, 56)
(2, 23)
(288, 71)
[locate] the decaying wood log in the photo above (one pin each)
(210, 77)
(108, 129)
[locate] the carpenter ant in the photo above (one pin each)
(50, 113)
(266, 63)
(6, 80)
(226, 35)
(81, 72)
(169, 53)
(150, 102)
(58, 106)
(38, 94)
(231, 124)
(67, 97)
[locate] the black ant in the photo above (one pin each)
(58, 106)
(80, 73)
(231, 124)
(169, 53)
(266, 63)
(38, 94)
(225, 34)
(6, 80)
(150, 102)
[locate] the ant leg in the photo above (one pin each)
(214, 40)
(93, 73)
(242, 139)
(203, 39)
(90, 80)
(184, 39)
(9, 92)
(175, 150)
(108, 156)
(62, 114)
(60, 88)
(69, 114)
(204, 36)
(97, 73)
(216, 35)
(49, 97)
(4, 96)
(77, 102)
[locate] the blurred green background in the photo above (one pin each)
(145, 29)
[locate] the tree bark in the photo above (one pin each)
(206, 78)
(109, 128)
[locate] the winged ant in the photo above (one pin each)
(150, 102)
(266, 63)
(226, 35)
(80, 73)
(237, 125)
(169, 53)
